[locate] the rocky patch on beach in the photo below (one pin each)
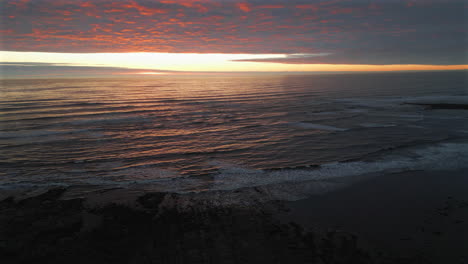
(48, 229)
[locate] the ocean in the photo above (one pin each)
(296, 135)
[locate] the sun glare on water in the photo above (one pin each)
(152, 73)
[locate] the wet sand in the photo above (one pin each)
(156, 229)
(419, 214)
(413, 217)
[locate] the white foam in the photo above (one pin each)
(146, 173)
(307, 125)
(286, 184)
(447, 156)
(101, 174)
(229, 167)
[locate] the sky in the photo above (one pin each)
(72, 37)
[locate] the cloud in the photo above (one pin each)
(373, 57)
(244, 7)
(36, 69)
(354, 31)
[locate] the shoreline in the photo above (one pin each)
(411, 214)
(374, 220)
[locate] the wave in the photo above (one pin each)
(39, 133)
(376, 125)
(84, 116)
(276, 184)
(399, 101)
(308, 125)
(130, 119)
(292, 184)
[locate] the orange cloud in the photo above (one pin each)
(238, 26)
(308, 6)
(271, 6)
(244, 7)
(146, 11)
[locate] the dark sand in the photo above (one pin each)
(47, 229)
(415, 217)
(418, 214)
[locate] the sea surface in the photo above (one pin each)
(298, 134)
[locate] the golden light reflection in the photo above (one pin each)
(152, 73)
(193, 62)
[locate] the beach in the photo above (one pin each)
(411, 217)
(45, 229)
(415, 214)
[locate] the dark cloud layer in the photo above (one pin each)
(36, 69)
(352, 31)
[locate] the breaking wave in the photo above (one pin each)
(278, 184)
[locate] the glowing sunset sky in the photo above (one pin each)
(230, 35)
